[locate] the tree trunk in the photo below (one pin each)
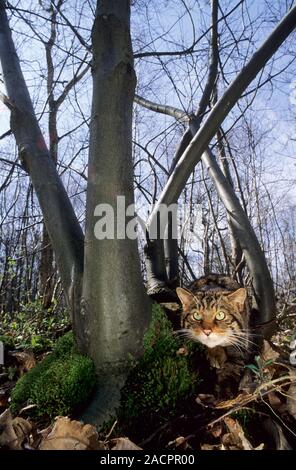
(262, 283)
(236, 249)
(46, 273)
(46, 279)
(116, 307)
(61, 223)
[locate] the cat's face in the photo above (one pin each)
(214, 318)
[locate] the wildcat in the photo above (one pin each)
(215, 313)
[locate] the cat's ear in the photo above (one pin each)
(185, 296)
(238, 298)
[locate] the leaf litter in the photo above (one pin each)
(268, 393)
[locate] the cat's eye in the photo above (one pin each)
(197, 316)
(220, 316)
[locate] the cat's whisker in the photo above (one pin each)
(250, 334)
(242, 334)
(236, 345)
(248, 337)
(236, 340)
(181, 332)
(239, 337)
(243, 337)
(185, 334)
(241, 347)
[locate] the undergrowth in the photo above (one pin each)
(33, 327)
(160, 381)
(57, 384)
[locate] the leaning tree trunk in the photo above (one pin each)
(61, 223)
(264, 320)
(237, 259)
(115, 304)
(202, 137)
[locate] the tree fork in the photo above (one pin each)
(115, 305)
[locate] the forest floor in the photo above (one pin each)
(259, 416)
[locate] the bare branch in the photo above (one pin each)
(199, 143)
(73, 29)
(189, 50)
(162, 109)
(262, 283)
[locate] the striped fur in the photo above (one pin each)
(215, 312)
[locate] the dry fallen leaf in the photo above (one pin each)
(236, 438)
(228, 442)
(8, 437)
(25, 359)
(22, 428)
(268, 353)
(216, 430)
(13, 431)
(247, 384)
(37, 436)
(180, 443)
(212, 447)
(206, 400)
(291, 400)
(122, 443)
(274, 400)
(71, 435)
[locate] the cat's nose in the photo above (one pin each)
(207, 332)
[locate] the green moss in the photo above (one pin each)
(64, 346)
(161, 378)
(59, 383)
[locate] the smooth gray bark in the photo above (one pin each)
(236, 250)
(255, 259)
(115, 306)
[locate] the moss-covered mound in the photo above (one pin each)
(161, 379)
(59, 383)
